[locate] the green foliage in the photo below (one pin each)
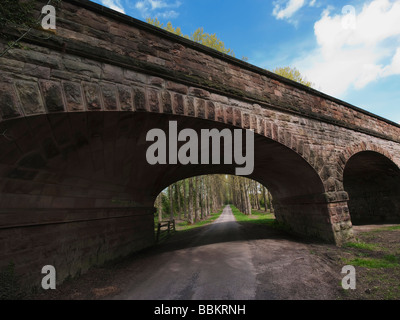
(211, 41)
(199, 36)
(16, 13)
(165, 204)
(293, 74)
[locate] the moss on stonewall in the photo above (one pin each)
(17, 13)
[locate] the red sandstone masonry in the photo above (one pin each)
(191, 61)
(72, 129)
(188, 59)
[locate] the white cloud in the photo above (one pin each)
(171, 14)
(394, 67)
(114, 4)
(158, 8)
(285, 10)
(354, 57)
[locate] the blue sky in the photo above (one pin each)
(348, 49)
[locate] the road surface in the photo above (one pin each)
(225, 260)
(217, 264)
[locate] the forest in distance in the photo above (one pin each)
(195, 198)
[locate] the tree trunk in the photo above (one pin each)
(159, 206)
(197, 202)
(185, 200)
(171, 203)
(257, 199)
(191, 201)
(178, 191)
(270, 202)
(265, 199)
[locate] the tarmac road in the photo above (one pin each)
(217, 264)
(225, 260)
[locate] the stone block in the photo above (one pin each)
(166, 101)
(176, 87)
(157, 82)
(92, 96)
(73, 96)
(52, 96)
(245, 121)
(210, 110)
(139, 99)
(125, 98)
(109, 94)
(153, 100)
(112, 73)
(200, 108)
(8, 102)
(199, 93)
(178, 104)
(190, 108)
(237, 117)
(30, 97)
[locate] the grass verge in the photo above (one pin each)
(259, 217)
(256, 216)
(376, 256)
(184, 225)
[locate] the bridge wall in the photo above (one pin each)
(73, 96)
(71, 240)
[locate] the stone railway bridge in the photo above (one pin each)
(75, 106)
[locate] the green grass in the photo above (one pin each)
(373, 233)
(392, 228)
(256, 217)
(388, 261)
(363, 245)
(183, 226)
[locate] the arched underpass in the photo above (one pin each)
(373, 184)
(89, 190)
(295, 186)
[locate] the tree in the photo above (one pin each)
(211, 41)
(159, 207)
(191, 202)
(265, 199)
(199, 36)
(197, 197)
(293, 74)
(202, 195)
(171, 202)
(185, 200)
